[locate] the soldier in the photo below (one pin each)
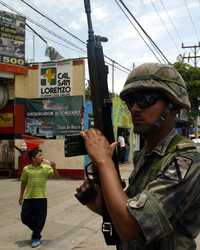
(160, 208)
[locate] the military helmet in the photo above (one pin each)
(160, 77)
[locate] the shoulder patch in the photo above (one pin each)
(171, 172)
(183, 163)
(177, 169)
(138, 201)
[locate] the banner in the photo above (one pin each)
(54, 117)
(12, 38)
(55, 79)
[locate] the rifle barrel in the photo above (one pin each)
(89, 19)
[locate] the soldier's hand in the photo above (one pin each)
(98, 146)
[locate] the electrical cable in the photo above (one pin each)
(191, 19)
(74, 36)
(36, 33)
(137, 31)
(51, 20)
(42, 27)
(59, 37)
(171, 21)
(49, 39)
(150, 39)
(164, 24)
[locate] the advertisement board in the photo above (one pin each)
(54, 117)
(12, 38)
(55, 79)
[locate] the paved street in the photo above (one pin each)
(69, 225)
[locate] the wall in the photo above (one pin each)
(27, 87)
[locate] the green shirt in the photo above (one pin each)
(35, 179)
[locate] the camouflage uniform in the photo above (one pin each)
(164, 196)
(164, 190)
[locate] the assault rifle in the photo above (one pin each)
(102, 110)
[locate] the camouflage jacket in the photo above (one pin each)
(164, 196)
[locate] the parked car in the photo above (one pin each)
(197, 143)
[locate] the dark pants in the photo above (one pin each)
(122, 154)
(33, 215)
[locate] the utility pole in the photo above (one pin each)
(33, 48)
(113, 77)
(195, 56)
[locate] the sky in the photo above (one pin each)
(169, 23)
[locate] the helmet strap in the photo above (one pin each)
(163, 115)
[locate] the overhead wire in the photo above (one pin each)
(191, 19)
(138, 31)
(49, 39)
(51, 20)
(164, 25)
(146, 34)
(63, 39)
(45, 41)
(171, 21)
(68, 32)
(42, 27)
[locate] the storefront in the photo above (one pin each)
(36, 81)
(8, 76)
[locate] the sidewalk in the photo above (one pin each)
(69, 225)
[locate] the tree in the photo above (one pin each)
(191, 75)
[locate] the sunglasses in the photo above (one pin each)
(144, 100)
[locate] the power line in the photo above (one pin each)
(191, 19)
(137, 30)
(150, 39)
(68, 32)
(51, 40)
(59, 37)
(116, 66)
(36, 33)
(163, 23)
(171, 21)
(42, 27)
(51, 20)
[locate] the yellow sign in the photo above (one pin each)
(6, 120)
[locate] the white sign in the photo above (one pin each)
(55, 79)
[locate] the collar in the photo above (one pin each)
(39, 166)
(162, 146)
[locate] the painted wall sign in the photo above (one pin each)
(55, 79)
